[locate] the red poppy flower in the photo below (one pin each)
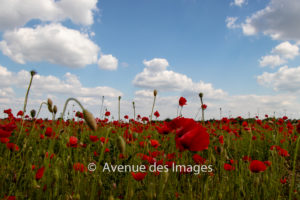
(190, 135)
(12, 147)
(5, 134)
(139, 176)
(20, 113)
(156, 114)
(283, 181)
(154, 143)
(107, 113)
(198, 159)
(94, 138)
(48, 132)
(39, 174)
(204, 106)
(228, 167)
(221, 139)
(182, 101)
(257, 166)
(73, 141)
(79, 167)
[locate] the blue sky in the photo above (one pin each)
(243, 55)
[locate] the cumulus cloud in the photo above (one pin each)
(156, 76)
(279, 19)
(108, 62)
(17, 13)
(286, 50)
(53, 43)
(70, 85)
(280, 54)
(271, 60)
(285, 79)
(238, 2)
(231, 22)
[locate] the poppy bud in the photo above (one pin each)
(55, 109)
(121, 144)
(32, 73)
(201, 95)
(50, 104)
(155, 92)
(32, 113)
(90, 120)
(119, 98)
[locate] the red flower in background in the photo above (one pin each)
(198, 159)
(79, 167)
(204, 106)
(20, 113)
(139, 176)
(257, 166)
(221, 139)
(94, 138)
(5, 134)
(40, 173)
(126, 117)
(228, 167)
(182, 101)
(73, 141)
(156, 114)
(154, 143)
(107, 113)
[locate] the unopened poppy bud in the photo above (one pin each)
(155, 92)
(90, 120)
(55, 109)
(32, 73)
(32, 113)
(201, 95)
(119, 98)
(121, 144)
(50, 104)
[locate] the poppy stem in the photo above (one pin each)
(152, 108)
(294, 169)
(66, 103)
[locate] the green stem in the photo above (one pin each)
(294, 169)
(152, 108)
(65, 106)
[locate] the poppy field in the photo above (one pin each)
(138, 157)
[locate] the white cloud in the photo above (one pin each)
(53, 43)
(231, 22)
(16, 13)
(280, 54)
(271, 60)
(238, 2)
(108, 62)
(156, 76)
(156, 64)
(286, 50)
(285, 79)
(279, 20)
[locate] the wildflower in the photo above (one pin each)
(39, 174)
(182, 101)
(257, 166)
(139, 176)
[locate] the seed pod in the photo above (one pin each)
(32, 113)
(55, 109)
(121, 144)
(50, 104)
(90, 120)
(32, 72)
(155, 92)
(201, 95)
